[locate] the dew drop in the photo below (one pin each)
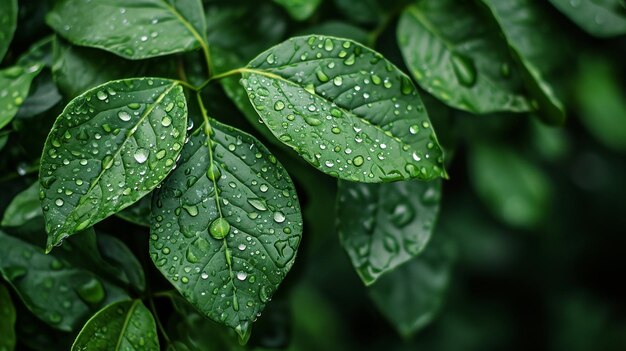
(124, 116)
(219, 228)
(141, 155)
(279, 217)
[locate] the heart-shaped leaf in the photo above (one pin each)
(344, 108)
(457, 54)
(226, 225)
(57, 292)
(131, 29)
(8, 23)
(381, 226)
(110, 146)
(124, 325)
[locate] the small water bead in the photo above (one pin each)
(279, 105)
(101, 95)
(141, 155)
(263, 187)
(59, 202)
(358, 161)
(271, 59)
(166, 121)
(124, 116)
(242, 276)
(279, 217)
(338, 81)
(241, 247)
(414, 129)
(204, 275)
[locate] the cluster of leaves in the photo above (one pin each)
(125, 93)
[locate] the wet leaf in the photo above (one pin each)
(24, 207)
(60, 294)
(299, 9)
(412, 295)
(8, 23)
(382, 226)
(513, 188)
(345, 109)
(139, 212)
(14, 85)
(124, 325)
(111, 146)
(226, 225)
(604, 18)
(456, 53)
(131, 29)
(7, 320)
(531, 38)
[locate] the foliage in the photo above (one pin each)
(165, 164)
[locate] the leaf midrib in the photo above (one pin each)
(131, 310)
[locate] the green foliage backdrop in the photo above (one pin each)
(312, 175)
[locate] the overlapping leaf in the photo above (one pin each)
(299, 9)
(14, 85)
(60, 294)
(457, 54)
(226, 225)
(131, 29)
(604, 18)
(411, 296)
(382, 226)
(124, 325)
(7, 320)
(345, 109)
(110, 146)
(8, 23)
(24, 207)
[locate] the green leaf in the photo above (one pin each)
(530, 37)
(23, 208)
(457, 54)
(602, 103)
(131, 29)
(299, 9)
(345, 109)
(77, 69)
(139, 212)
(7, 320)
(111, 146)
(8, 23)
(381, 226)
(513, 188)
(339, 29)
(362, 11)
(124, 325)
(14, 85)
(4, 137)
(58, 293)
(604, 18)
(226, 225)
(44, 96)
(411, 296)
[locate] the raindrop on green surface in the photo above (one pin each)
(464, 69)
(219, 228)
(92, 291)
(141, 155)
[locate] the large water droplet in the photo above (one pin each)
(141, 155)
(279, 217)
(124, 116)
(92, 291)
(219, 228)
(464, 69)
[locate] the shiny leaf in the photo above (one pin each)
(131, 29)
(23, 208)
(8, 23)
(60, 294)
(382, 226)
(139, 212)
(124, 325)
(345, 109)
(14, 85)
(226, 225)
(412, 295)
(513, 188)
(604, 18)
(529, 34)
(110, 146)
(456, 53)
(7, 320)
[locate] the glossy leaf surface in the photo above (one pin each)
(345, 109)
(134, 29)
(14, 85)
(529, 34)
(226, 225)
(604, 18)
(110, 146)
(124, 325)
(60, 294)
(381, 226)
(456, 53)
(513, 188)
(138, 213)
(411, 296)
(8, 23)
(24, 207)
(7, 320)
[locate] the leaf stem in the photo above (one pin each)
(158, 322)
